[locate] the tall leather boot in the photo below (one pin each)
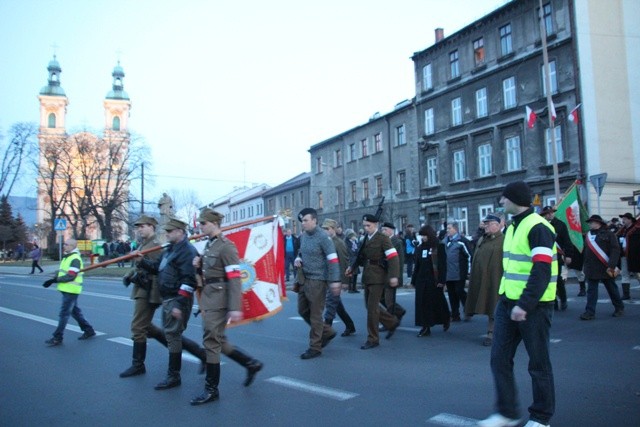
(193, 348)
(253, 366)
(211, 382)
(173, 374)
(626, 291)
(137, 364)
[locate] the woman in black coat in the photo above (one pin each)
(431, 305)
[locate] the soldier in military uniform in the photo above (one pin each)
(380, 261)
(220, 300)
(389, 294)
(147, 299)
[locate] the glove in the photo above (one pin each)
(126, 280)
(48, 283)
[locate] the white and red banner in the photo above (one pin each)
(531, 117)
(573, 115)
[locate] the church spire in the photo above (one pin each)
(53, 87)
(117, 89)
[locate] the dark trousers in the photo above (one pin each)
(289, 259)
(457, 296)
(34, 265)
(375, 313)
(409, 260)
(507, 336)
(592, 294)
(389, 302)
(311, 300)
(353, 283)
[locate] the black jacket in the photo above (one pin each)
(174, 268)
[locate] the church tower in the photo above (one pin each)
(116, 106)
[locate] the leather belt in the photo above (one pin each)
(378, 262)
(211, 280)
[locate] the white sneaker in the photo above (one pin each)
(536, 424)
(497, 420)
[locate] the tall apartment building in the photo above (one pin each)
(287, 199)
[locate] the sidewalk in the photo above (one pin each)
(24, 268)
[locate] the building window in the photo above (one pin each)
(115, 125)
(293, 199)
(364, 148)
(514, 154)
(337, 158)
(456, 112)
(302, 198)
(558, 138)
(377, 142)
(339, 200)
(481, 103)
(378, 186)
(429, 122)
(509, 92)
(354, 195)
(352, 152)
(484, 160)
(320, 200)
(285, 204)
(52, 121)
(427, 77)
(365, 189)
(460, 216)
(402, 182)
(552, 78)
(432, 171)
(478, 51)
(319, 164)
(459, 166)
(454, 64)
(400, 136)
(547, 17)
(506, 47)
(484, 210)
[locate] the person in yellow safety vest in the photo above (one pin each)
(524, 311)
(69, 280)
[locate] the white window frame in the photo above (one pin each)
(459, 166)
(454, 63)
(558, 140)
(513, 151)
(506, 42)
(461, 216)
(509, 97)
(485, 166)
(456, 111)
(337, 158)
(552, 76)
(364, 148)
(401, 136)
(319, 164)
(484, 210)
(401, 178)
(481, 103)
(427, 77)
(432, 171)
(429, 122)
(352, 152)
(377, 143)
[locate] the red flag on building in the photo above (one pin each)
(531, 117)
(573, 115)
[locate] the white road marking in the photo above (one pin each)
(445, 419)
(331, 393)
(42, 320)
(636, 347)
(84, 292)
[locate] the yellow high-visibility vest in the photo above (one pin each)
(517, 261)
(75, 286)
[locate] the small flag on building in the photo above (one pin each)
(531, 117)
(573, 115)
(552, 111)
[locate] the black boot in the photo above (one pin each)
(253, 366)
(583, 289)
(173, 374)
(137, 365)
(210, 385)
(626, 291)
(193, 348)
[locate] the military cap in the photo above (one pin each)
(492, 217)
(307, 211)
(547, 209)
(330, 223)
(389, 225)
(596, 218)
(146, 219)
(369, 218)
(174, 224)
(208, 214)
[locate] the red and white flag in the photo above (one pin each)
(573, 115)
(552, 110)
(531, 117)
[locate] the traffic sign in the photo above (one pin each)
(60, 224)
(598, 182)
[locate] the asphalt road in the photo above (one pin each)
(439, 380)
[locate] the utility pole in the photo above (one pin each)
(550, 108)
(142, 190)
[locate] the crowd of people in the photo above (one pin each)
(512, 272)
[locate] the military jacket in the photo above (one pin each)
(221, 270)
(153, 294)
(379, 259)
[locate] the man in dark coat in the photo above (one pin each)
(601, 256)
(565, 248)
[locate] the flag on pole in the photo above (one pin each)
(572, 212)
(531, 117)
(573, 115)
(552, 111)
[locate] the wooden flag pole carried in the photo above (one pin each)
(157, 248)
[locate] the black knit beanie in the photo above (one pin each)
(518, 192)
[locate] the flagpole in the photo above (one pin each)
(547, 87)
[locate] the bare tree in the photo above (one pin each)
(186, 204)
(21, 144)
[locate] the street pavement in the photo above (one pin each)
(441, 380)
